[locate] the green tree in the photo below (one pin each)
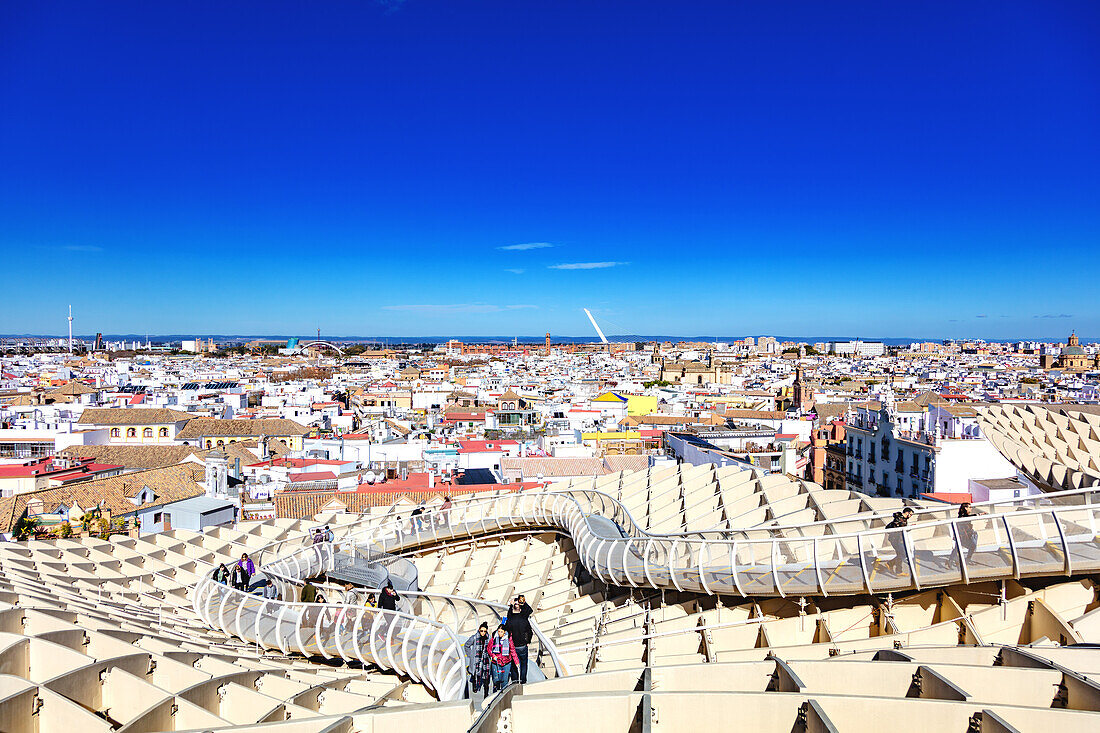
(88, 519)
(25, 527)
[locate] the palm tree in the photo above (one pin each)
(25, 527)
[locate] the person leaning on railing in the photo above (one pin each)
(387, 601)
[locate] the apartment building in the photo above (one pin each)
(904, 449)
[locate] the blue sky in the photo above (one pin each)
(435, 167)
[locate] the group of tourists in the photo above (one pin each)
(501, 656)
(323, 535)
(422, 517)
(968, 536)
(239, 576)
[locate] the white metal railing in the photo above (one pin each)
(420, 648)
(1055, 534)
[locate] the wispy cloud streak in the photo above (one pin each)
(586, 265)
(525, 246)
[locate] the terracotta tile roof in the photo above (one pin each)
(132, 416)
(133, 456)
(554, 467)
(170, 484)
(634, 420)
(203, 427)
(756, 414)
(305, 504)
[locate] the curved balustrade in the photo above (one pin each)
(418, 647)
(1051, 538)
(1051, 535)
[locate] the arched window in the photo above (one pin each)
(209, 443)
(116, 433)
(131, 432)
(164, 432)
(147, 433)
(221, 443)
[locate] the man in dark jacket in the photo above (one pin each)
(897, 539)
(309, 592)
(518, 624)
(388, 599)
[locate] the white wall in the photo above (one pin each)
(958, 461)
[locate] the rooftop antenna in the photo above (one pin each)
(70, 330)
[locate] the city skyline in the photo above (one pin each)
(423, 169)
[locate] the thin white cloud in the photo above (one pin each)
(525, 246)
(449, 308)
(82, 248)
(515, 270)
(586, 265)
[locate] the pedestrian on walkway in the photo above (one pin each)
(387, 601)
(389, 598)
(476, 650)
(968, 536)
(271, 592)
(329, 536)
(352, 596)
(221, 574)
(897, 539)
(416, 515)
(445, 512)
(318, 536)
(502, 656)
(239, 576)
(518, 624)
(312, 596)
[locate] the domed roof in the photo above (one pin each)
(1073, 351)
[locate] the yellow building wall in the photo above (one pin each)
(621, 435)
(294, 442)
(641, 404)
(139, 435)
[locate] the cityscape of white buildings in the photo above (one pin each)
(855, 415)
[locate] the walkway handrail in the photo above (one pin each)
(423, 649)
(1044, 540)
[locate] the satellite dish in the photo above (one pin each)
(370, 477)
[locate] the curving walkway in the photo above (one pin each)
(1054, 535)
